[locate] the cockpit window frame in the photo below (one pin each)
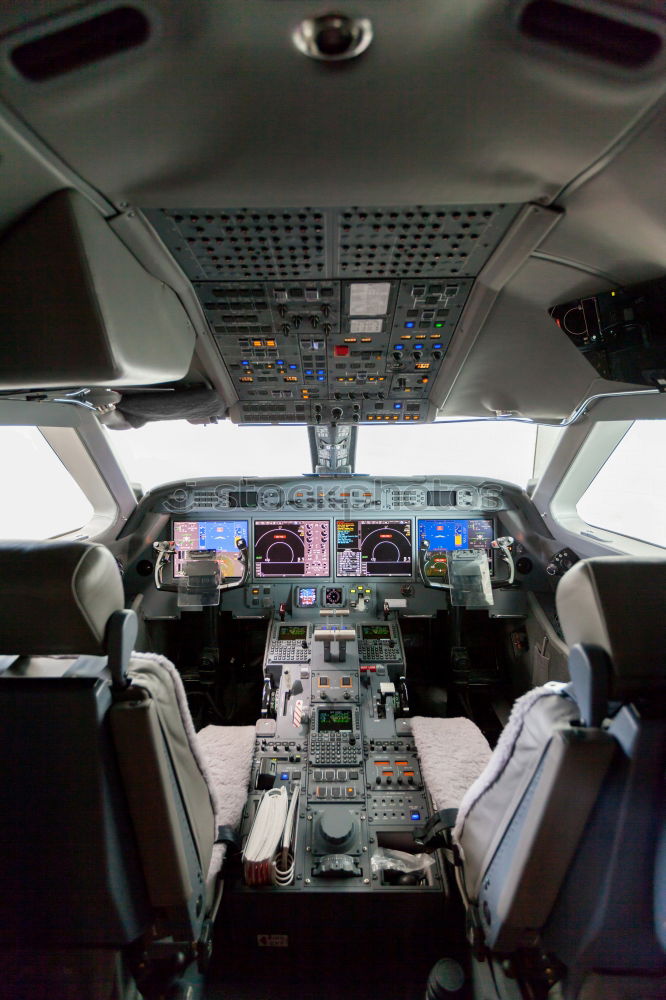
(76, 437)
(581, 453)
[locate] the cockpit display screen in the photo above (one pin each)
(217, 536)
(291, 548)
(374, 548)
(292, 633)
(444, 535)
(334, 720)
(374, 632)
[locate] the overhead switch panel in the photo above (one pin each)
(333, 314)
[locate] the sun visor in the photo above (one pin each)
(78, 308)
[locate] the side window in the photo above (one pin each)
(38, 497)
(627, 494)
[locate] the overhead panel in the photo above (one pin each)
(339, 314)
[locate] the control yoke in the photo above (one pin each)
(202, 582)
(426, 580)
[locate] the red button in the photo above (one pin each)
(341, 351)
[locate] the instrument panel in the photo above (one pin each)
(283, 549)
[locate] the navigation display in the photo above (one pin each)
(215, 536)
(455, 533)
(374, 548)
(291, 548)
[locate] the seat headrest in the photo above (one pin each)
(619, 604)
(57, 597)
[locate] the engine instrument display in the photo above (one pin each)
(444, 535)
(374, 548)
(217, 536)
(291, 548)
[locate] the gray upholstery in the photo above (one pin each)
(57, 597)
(617, 603)
(63, 598)
(96, 318)
(488, 806)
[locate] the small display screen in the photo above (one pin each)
(292, 632)
(376, 631)
(291, 548)
(333, 597)
(448, 534)
(335, 720)
(307, 597)
(214, 536)
(374, 548)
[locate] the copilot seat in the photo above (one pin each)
(560, 842)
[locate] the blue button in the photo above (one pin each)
(245, 362)
(291, 366)
(397, 406)
(409, 325)
(415, 815)
(278, 362)
(436, 347)
(308, 373)
(399, 347)
(321, 378)
(285, 777)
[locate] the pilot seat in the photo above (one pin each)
(114, 814)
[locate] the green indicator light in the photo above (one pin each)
(439, 325)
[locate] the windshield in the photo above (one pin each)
(176, 450)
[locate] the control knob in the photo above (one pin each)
(336, 826)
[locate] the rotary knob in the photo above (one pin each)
(336, 826)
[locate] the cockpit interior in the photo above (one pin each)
(333, 541)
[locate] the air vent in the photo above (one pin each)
(81, 44)
(590, 33)
(210, 499)
(179, 501)
(261, 244)
(418, 241)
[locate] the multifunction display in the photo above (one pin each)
(444, 535)
(376, 632)
(217, 537)
(291, 548)
(334, 720)
(374, 548)
(292, 633)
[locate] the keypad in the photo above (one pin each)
(329, 749)
(372, 649)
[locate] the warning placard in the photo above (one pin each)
(273, 940)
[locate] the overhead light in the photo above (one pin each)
(333, 37)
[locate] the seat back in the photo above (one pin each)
(106, 818)
(559, 836)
